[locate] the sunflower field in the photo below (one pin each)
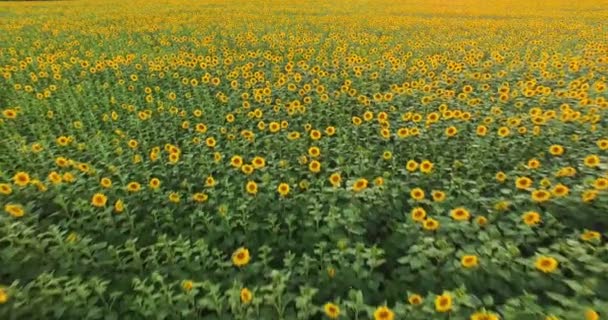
(267, 159)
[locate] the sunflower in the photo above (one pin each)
(484, 315)
(314, 166)
(247, 169)
(14, 210)
(546, 264)
(335, 179)
(236, 161)
(258, 162)
(533, 164)
(360, 184)
(5, 189)
(384, 313)
(556, 150)
(438, 196)
(531, 218)
(210, 142)
(9, 113)
(501, 176)
(387, 155)
(200, 197)
(210, 182)
(469, 261)
(430, 224)
(591, 314)
(106, 182)
(21, 179)
(460, 214)
(314, 152)
(503, 132)
(251, 187)
(443, 302)
(187, 285)
(379, 181)
(403, 132)
(63, 141)
(523, 183)
(540, 196)
(283, 189)
(68, 177)
(315, 134)
(418, 214)
(560, 190)
(154, 183)
(590, 235)
(62, 162)
(426, 166)
(451, 131)
(481, 221)
(600, 184)
(3, 296)
(246, 296)
(602, 144)
(411, 165)
(415, 299)
(119, 206)
(589, 195)
(133, 187)
(481, 130)
(592, 161)
(417, 194)
(330, 131)
(331, 310)
(240, 257)
(99, 200)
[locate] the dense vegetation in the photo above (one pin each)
(303, 160)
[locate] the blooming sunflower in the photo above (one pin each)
(384, 313)
(360, 185)
(443, 302)
(99, 200)
(331, 310)
(246, 296)
(546, 264)
(469, 261)
(240, 257)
